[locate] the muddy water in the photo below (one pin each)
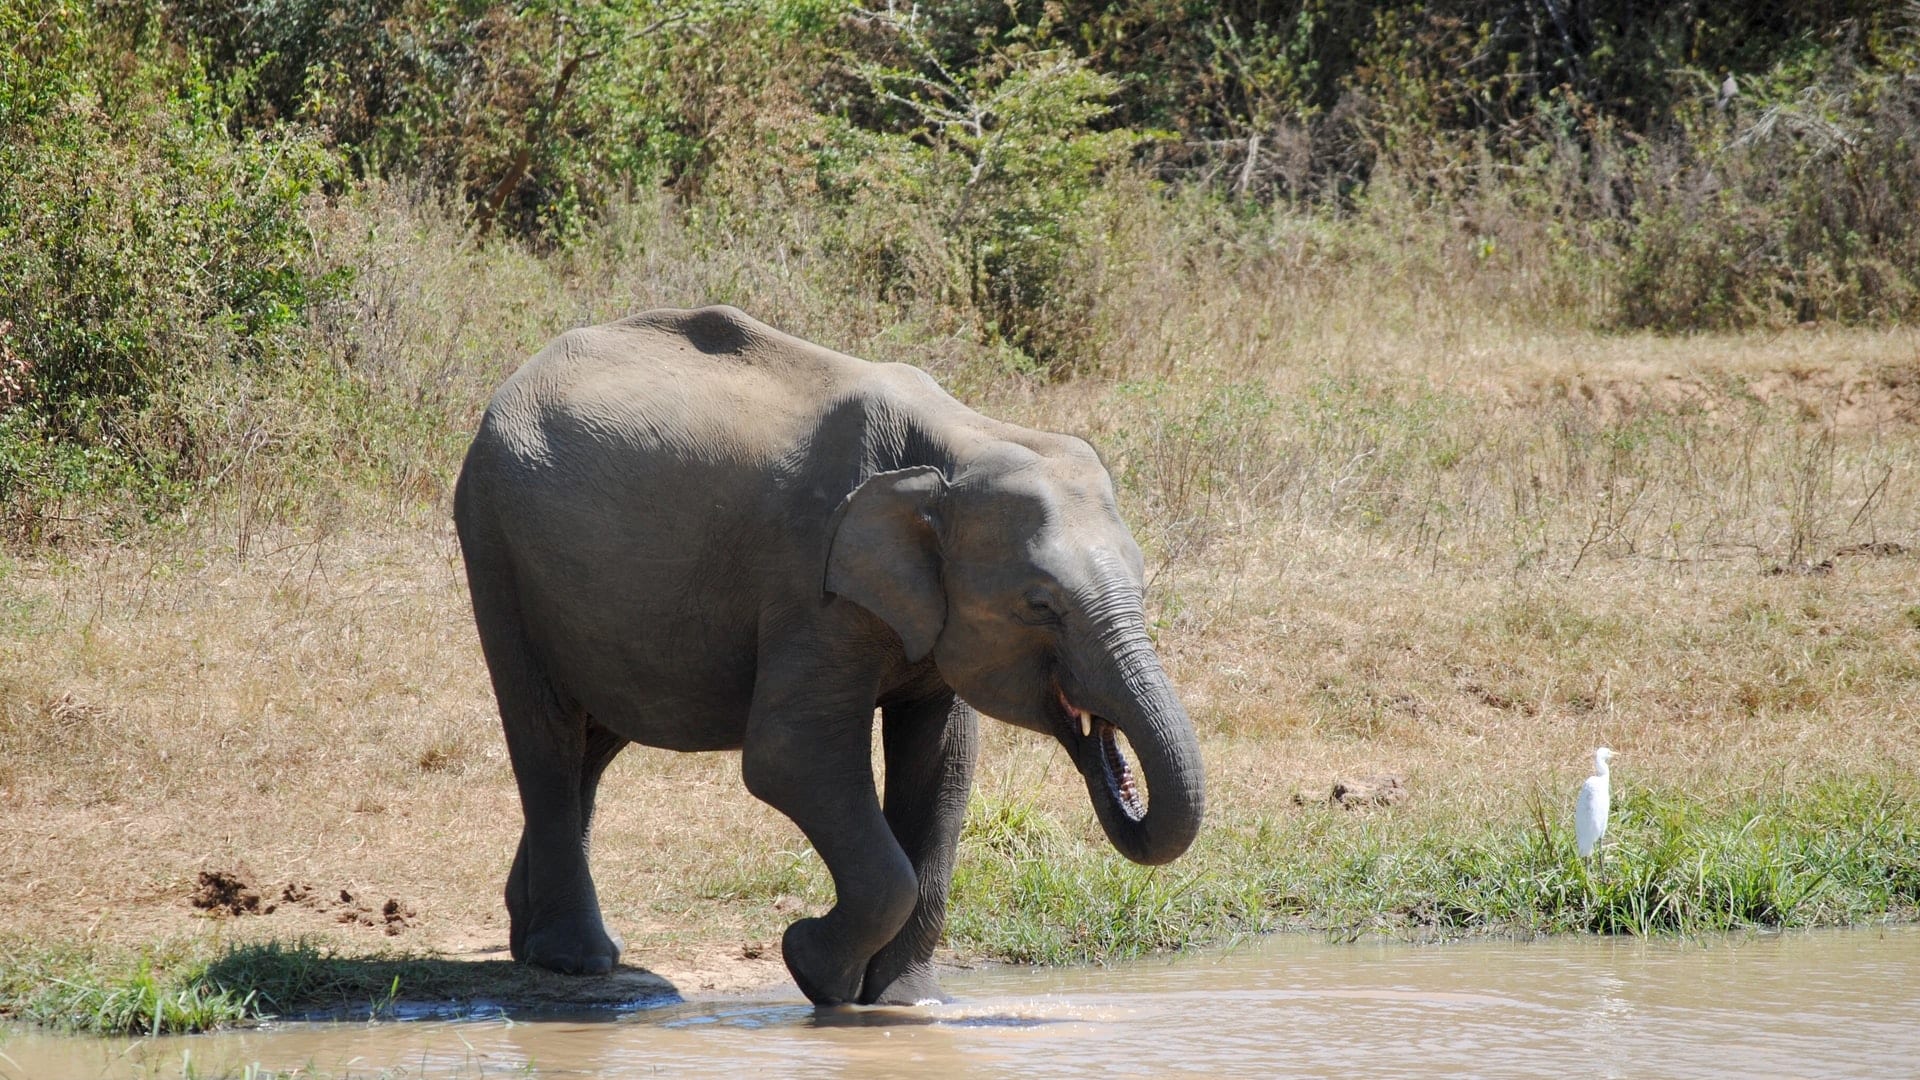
(1827, 1004)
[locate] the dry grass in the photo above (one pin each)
(1390, 529)
(317, 715)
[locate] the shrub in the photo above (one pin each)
(1005, 155)
(537, 114)
(1798, 209)
(138, 240)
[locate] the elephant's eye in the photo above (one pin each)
(1039, 608)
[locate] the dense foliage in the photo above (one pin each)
(140, 239)
(174, 169)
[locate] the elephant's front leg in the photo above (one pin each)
(814, 764)
(931, 747)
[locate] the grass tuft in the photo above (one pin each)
(195, 985)
(152, 992)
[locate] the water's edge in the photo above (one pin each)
(1814, 1003)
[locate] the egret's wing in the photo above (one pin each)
(1590, 814)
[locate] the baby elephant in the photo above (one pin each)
(689, 530)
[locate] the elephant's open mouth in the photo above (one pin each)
(1121, 785)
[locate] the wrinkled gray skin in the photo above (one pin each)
(691, 531)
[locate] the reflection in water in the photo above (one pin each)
(1826, 1004)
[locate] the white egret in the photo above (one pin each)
(1590, 809)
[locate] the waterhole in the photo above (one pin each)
(1829, 1004)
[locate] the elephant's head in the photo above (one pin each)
(1017, 575)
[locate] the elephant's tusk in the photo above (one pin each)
(1078, 713)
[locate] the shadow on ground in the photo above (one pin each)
(301, 982)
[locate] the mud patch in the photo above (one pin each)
(389, 916)
(394, 917)
(228, 893)
(223, 892)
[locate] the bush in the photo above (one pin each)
(138, 241)
(537, 114)
(1797, 209)
(1005, 157)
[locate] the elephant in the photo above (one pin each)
(688, 530)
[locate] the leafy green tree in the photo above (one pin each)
(1006, 155)
(536, 112)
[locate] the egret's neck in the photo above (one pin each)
(1599, 765)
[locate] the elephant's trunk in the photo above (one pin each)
(1141, 705)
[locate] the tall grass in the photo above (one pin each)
(1238, 378)
(1845, 852)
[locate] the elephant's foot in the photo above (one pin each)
(914, 986)
(823, 973)
(580, 945)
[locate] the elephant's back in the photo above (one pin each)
(710, 385)
(620, 480)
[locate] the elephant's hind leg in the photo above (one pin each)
(557, 756)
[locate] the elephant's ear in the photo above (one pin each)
(883, 553)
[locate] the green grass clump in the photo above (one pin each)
(155, 992)
(1839, 853)
(194, 986)
(200, 984)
